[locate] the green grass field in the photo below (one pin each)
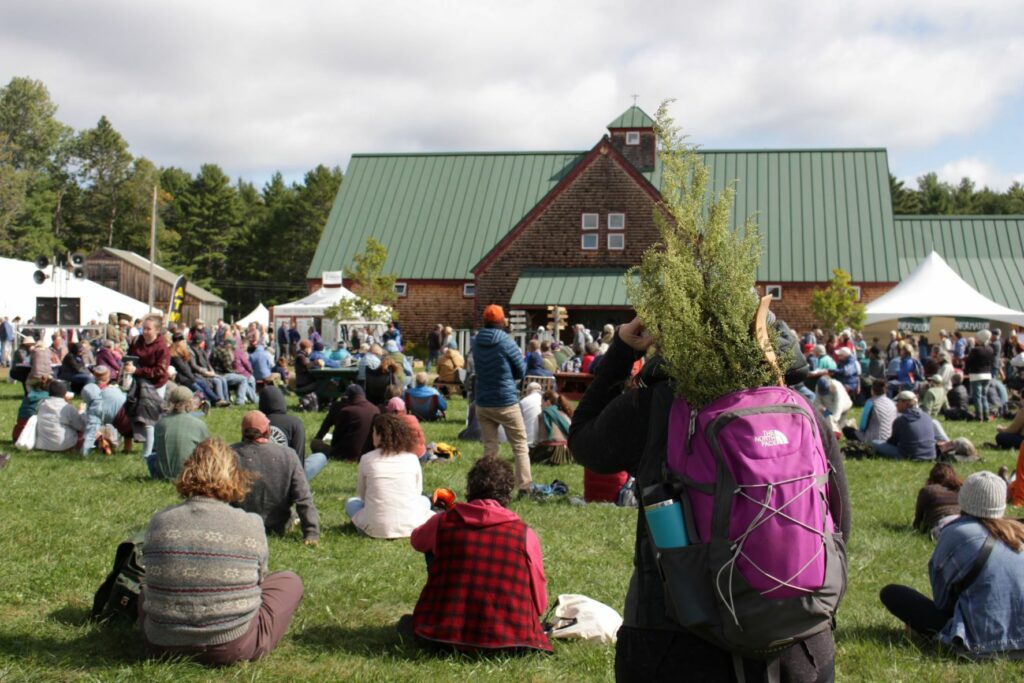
(61, 517)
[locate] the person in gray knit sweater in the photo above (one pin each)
(206, 593)
(279, 483)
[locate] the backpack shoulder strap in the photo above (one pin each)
(979, 564)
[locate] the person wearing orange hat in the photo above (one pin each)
(280, 482)
(499, 363)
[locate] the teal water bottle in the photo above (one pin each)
(665, 521)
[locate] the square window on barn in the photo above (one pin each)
(616, 242)
(589, 241)
(401, 288)
(469, 290)
(774, 291)
(633, 137)
(616, 221)
(590, 221)
(856, 290)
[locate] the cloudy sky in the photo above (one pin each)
(261, 86)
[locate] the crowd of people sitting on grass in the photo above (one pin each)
(214, 543)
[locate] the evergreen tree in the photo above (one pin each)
(27, 117)
(904, 201)
(936, 196)
(963, 199)
(104, 166)
(211, 216)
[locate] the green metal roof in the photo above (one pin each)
(634, 117)
(570, 287)
(817, 209)
(437, 214)
(440, 214)
(986, 251)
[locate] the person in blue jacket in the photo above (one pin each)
(978, 602)
(498, 363)
(847, 371)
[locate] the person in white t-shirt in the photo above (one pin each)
(389, 500)
(531, 406)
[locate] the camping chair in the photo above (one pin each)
(425, 409)
(377, 384)
(546, 383)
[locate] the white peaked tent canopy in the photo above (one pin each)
(313, 305)
(934, 289)
(18, 294)
(260, 315)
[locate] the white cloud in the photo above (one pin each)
(981, 171)
(259, 85)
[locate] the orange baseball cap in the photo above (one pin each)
(494, 314)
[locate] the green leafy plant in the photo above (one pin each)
(836, 306)
(693, 290)
(376, 291)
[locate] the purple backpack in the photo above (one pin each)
(765, 567)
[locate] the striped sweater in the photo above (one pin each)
(204, 565)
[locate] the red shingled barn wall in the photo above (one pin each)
(551, 239)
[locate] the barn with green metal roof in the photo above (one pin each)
(464, 230)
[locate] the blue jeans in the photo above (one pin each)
(886, 449)
(315, 463)
(979, 398)
(245, 387)
(151, 466)
(92, 428)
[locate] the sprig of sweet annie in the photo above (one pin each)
(694, 289)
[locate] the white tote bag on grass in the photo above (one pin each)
(577, 616)
(27, 439)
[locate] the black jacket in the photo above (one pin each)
(609, 434)
(979, 360)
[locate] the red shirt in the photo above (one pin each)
(153, 360)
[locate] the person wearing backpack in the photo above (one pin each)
(613, 430)
(977, 578)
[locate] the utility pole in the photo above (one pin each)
(152, 248)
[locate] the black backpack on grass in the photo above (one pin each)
(118, 596)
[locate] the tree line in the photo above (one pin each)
(63, 190)
(935, 197)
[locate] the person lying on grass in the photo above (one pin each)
(206, 593)
(485, 587)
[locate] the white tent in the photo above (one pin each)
(19, 291)
(260, 315)
(934, 289)
(313, 305)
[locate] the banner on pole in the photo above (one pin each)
(177, 300)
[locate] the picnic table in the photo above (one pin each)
(331, 382)
(572, 385)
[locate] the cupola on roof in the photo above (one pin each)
(634, 117)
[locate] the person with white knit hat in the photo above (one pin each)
(977, 578)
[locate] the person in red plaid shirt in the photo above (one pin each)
(485, 583)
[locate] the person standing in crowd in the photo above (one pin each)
(610, 432)
(278, 480)
(434, 341)
(978, 368)
(206, 593)
(176, 436)
(481, 553)
(293, 340)
(145, 403)
(498, 363)
(393, 334)
(6, 342)
(977, 604)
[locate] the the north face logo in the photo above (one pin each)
(771, 437)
